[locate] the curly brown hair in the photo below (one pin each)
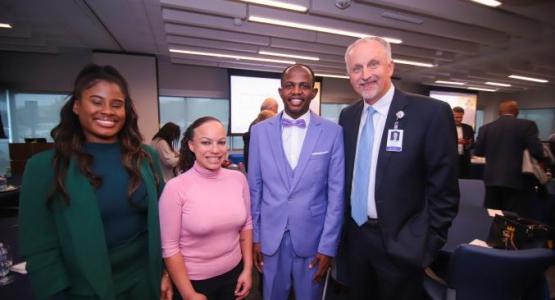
(69, 138)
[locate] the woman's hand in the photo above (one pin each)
(244, 284)
(258, 258)
(166, 288)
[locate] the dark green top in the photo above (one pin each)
(123, 220)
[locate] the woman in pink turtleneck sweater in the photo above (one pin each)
(205, 220)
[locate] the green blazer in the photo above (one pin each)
(64, 245)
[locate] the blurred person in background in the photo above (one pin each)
(164, 141)
(269, 105)
(465, 141)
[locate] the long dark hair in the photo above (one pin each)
(170, 133)
(186, 156)
(69, 138)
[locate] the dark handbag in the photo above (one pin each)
(514, 233)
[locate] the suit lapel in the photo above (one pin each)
(276, 146)
(355, 125)
(312, 134)
(351, 126)
(398, 103)
(85, 226)
(155, 259)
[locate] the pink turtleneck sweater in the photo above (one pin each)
(202, 213)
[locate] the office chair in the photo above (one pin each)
(472, 220)
(484, 273)
(473, 192)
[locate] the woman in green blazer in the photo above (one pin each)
(88, 218)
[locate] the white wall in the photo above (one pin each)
(337, 90)
(192, 81)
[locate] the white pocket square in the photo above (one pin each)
(320, 153)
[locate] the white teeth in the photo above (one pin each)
(105, 123)
(296, 101)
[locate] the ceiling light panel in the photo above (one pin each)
(480, 89)
(490, 3)
(199, 42)
(279, 4)
(304, 46)
(497, 84)
(224, 55)
(449, 82)
(413, 63)
(5, 25)
(317, 28)
(526, 78)
(332, 75)
(224, 23)
(288, 55)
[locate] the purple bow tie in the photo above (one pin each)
(288, 123)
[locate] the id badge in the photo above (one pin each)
(394, 140)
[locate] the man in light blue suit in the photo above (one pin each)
(296, 175)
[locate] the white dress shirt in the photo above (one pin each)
(381, 108)
(292, 138)
(460, 147)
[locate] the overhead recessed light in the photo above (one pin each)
(481, 89)
(450, 82)
(222, 55)
(529, 78)
(288, 55)
(498, 84)
(279, 4)
(5, 25)
(332, 75)
(318, 28)
(490, 3)
(413, 63)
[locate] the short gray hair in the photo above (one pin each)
(367, 39)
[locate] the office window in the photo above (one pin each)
(479, 120)
(544, 118)
(183, 111)
(237, 143)
(33, 115)
(4, 153)
(331, 111)
(4, 124)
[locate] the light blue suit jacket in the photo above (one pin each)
(308, 200)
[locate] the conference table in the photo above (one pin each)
(9, 197)
(20, 287)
